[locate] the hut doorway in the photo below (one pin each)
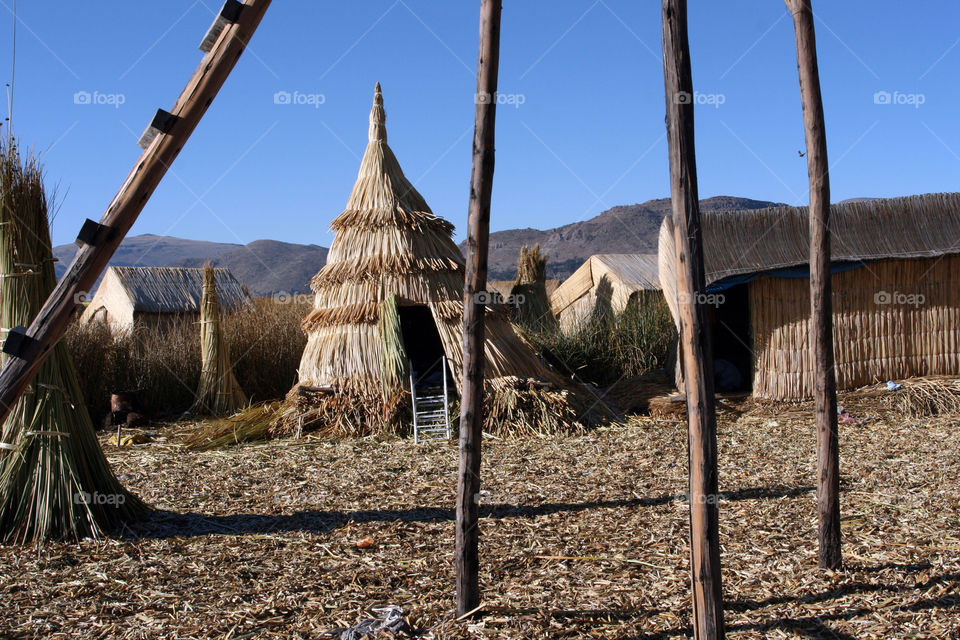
(732, 340)
(421, 341)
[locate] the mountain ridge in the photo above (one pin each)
(269, 267)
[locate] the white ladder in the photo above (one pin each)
(431, 415)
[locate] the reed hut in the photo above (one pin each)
(604, 285)
(391, 297)
(896, 292)
(158, 296)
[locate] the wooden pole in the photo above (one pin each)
(91, 259)
(471, 407)
(821, 307)
(695, 341)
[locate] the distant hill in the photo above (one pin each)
(269, 266)
(631, 228)
(265, 266)
(148, 250)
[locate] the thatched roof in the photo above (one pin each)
(746, 242)
(627, 273)
(388, 244)
(176, 289)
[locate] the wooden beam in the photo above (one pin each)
(90, 260)
(821, 307)
(474, 332)
(695, 340)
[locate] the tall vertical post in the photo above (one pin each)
(821, 306)
(478, 232)
(695, 340)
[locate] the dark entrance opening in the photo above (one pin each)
(421, 339)
(732, 339)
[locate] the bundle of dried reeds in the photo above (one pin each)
(529, 302)
(55, 482)
(219, 392)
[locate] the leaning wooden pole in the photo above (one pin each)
(821, 307)
(695, 348)
(98, 243)
(474, 332)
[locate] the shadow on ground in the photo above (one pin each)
(169, 524)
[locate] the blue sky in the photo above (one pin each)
(580, 128)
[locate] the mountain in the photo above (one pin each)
(265, 266)
(269, 266)
(631, 228)
(149, 250)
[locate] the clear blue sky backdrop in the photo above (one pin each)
(588, 134)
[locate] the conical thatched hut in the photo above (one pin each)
(391, 294)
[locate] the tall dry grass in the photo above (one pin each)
(609, 347)
(163, 363)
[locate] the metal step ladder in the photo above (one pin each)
(431, 415)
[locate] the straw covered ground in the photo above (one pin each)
(581, 537)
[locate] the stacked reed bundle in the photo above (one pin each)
(55, 482)
(219, 393)
(530, 303)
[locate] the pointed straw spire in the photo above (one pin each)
(219, 392)
(378, 118)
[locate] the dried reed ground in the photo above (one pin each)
(582, 537)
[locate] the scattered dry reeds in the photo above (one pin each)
(581, 537)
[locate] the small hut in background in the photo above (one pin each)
(528, 301)
(390, 298)
(604, 285)
(158, 296)
(896, 292)
(55, 482)
(218, 393)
